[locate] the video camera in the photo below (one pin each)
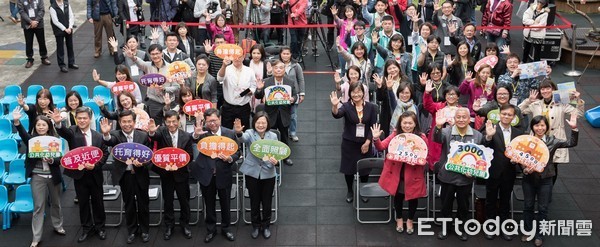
(212, 7)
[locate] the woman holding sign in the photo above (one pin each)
(45, 177)
(43, 105)
(539, 184)
(402, 180)
(260, 173)
(356, 138)
(121, 74)
(491, 109)
(481, 87)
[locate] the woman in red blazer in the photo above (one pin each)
(404, 181)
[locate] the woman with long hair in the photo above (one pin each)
(462, 64)
(73, 101)
(479, 88)
(122, 73)
(43, 105)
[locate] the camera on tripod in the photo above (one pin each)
(212, 7)
(140, 13)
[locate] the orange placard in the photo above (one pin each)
(212, 146)
(170, 159)
(190, 108)
(122, 86)
(229, 51)
(179, 69)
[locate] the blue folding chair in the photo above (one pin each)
(16, 173)
(105, 94)
(32, 92)
(5, 128)
(23, 203)
(9, 150)
(83, 92)
(4, 206)
(2, 172)
(11, 93)
(11, 108)
(59, 93)
(95, 108)
(25, 123)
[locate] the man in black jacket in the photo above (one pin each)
(132, 177)
(173, 181)
(88, 182)
(500, 184)
(215, 177)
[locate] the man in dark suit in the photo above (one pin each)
(279, 115)
(133, 178)
(499, 185)
(173, 181)
(88, 182)
(215, 177)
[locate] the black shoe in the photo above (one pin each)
(82, 238)
(187, 233)
(64, 69)
(288, 162)
(168, 233)
(228, 235)
(145, 237)
(73, 66)
(255, 233)
(75, 200)
(102, 234)
(463, 237)
(364, 199)
(506, 237)
(349, 197)
(442, 236)
(209, 237)
(489, 237)
(130, 238)
(267, 233)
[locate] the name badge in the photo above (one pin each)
(31, 13)
(446, 41)
(513, 101)
(483, 100)
(360, 130)
(189, 128)
(135, 71)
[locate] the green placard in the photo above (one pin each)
(494, 116)
(264, 149)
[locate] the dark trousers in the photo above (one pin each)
(331, 33)
(261, 193)
(283, 130)
(296, 38)
(210, 200)
(61, 40)
(39, 35)
(462, 200)
(412, 206)
(88, 190)
(169, 187)
(527, 50)
(261, 35)
(498, 193)
(230, 112)
(135, 196)
(155, 111)
(105, 23)
(534, 186)
(277, 19)
(202, 36)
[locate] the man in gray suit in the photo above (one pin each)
(32, 22)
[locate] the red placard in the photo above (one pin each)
(212, 146)
(77, 158)
(191, 107)
(229, 51)
(170, 159)
(119, 87)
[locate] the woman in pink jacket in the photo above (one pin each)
(404, 181)
(219, 26)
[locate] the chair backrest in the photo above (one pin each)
(95, 108)
(5, 128)
(369, 163)
(83, 92)
(9, 150)
(25, 123)
(276, 133)
(17, 166)
(59, 92)
(12, 91)
(3, 196)
(11, 108)
(23, 193)
(32, 90)
(103, 92)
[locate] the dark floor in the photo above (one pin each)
(312, 206)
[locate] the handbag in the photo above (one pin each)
(490, 30)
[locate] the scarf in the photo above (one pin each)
(401, 107)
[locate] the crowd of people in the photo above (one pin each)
(403, 68)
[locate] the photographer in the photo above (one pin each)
(234, 13)
(131, 10)
(278, 18)
(213, 7)
(296, 16)
(258, 12)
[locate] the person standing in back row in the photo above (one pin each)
(32, 22)
(100, 13)
(62, 25)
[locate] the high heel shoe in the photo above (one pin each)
(400, 228)
(409, 227)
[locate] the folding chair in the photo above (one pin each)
(10, 108)
(11, 92)
(105, 94)
(279, 168)
(83, 92)
(5, 128)
(3, 172)
(3, 205)
(155, 193)
(32, 93)
(23, 203)
(427, 197)
(275, 203)
(113, 193)
(16, 173)
(437, 190)
(59, 93)
(371, 190)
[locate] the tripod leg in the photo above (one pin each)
(320, 36)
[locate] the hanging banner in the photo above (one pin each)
(278, 95)
(470, 158)
(529, 151)
(171, 158)
(76, 159)
(127, 152)
(408, 148)
(265, 149)
(45, 147)
(212, 146)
